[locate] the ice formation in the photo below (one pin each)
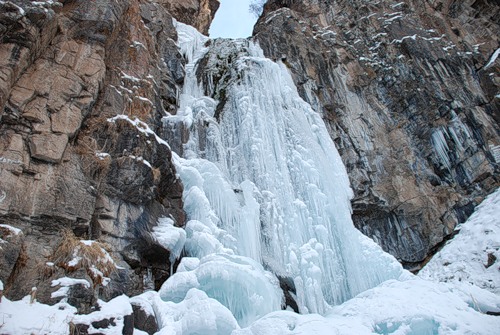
(264, 184)
(267, 199)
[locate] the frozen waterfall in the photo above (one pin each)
(266, 192)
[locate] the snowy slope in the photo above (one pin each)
(473, 256)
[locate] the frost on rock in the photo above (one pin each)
(116, 309)
(65, 284)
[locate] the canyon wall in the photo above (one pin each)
(83, 87)
(411, 100)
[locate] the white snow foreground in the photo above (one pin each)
(24, 317)
(267, 196)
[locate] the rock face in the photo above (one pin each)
(411, 100)
(83, 87)
(409, 91)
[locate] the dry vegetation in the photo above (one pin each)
(73, 254)
(96, 166)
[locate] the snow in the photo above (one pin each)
(129, 77)
(413, 37)
(465, 259)
(142, 160)
(116, 308)
(412, 306)
(493, 58)
(23, 318)
(170, 237)
(12, 230)
(145, 302)
(102, 155)
(65, 284)
(9, 161)
(141, 126)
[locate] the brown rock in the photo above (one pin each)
(67, 120)
(196, 13)
(48, 147)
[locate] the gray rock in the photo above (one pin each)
(400, 88)
(144, 321)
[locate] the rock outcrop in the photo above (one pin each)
(409, 91)
(83, 88)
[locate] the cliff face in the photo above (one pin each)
(83, 86)
(411, 100)
(409, 91)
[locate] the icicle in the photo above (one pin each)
(441, 147)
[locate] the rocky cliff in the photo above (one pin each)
(83, 86)
(409, 91)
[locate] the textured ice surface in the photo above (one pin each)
(170, 237)
(239, 283)
(265, 182)
(196, 314)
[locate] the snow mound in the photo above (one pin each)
(414, 306)
(115, 309)
(22, 317)
(473, 256)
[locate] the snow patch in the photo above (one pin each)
(170, 237)
(12, 230)
(473, 256)
(493, 58)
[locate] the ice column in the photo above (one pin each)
(265, 181)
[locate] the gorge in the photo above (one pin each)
(194, 186)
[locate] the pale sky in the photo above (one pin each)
(233, 20)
